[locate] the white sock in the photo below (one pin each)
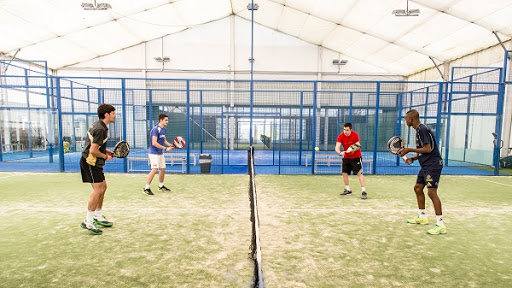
(422, 214)
(363, 189)
(161, 184)
(439, 220)
(146, 187)
(97, 213)
(89, 217)
(347, 187)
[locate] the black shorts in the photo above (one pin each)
(352, 164)
(91, 174)
(429, 177)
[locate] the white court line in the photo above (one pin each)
(9, 176)
(28, 159)
(508, 185)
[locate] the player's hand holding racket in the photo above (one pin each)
(396, 146)
(354, 147)
(110, 155)
(121, 150)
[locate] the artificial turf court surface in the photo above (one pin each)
(199, 234)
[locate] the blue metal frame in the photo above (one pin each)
(444, 107)
(313, 128)
(27, 91)
(123, 104)
(59, 113)
(187, 136)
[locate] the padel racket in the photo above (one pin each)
(179, 142)
(395, 145)
(121, 150)
(353, 147)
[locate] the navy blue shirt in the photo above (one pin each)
(160, 138)
(432, 159)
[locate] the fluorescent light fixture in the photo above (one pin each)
(406, 12)
(339, 62)
(251, 7)
(402, 12)
(95, 6)
(164, 59)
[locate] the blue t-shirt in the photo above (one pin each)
(428, 160)
(160, 138)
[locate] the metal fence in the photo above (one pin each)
(44, 119)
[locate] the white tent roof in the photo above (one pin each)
(62, 33)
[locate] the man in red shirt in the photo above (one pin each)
(352, 160)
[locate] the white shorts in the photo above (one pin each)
(157, 161)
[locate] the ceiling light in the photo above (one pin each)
(339, 62)
(95, 6)
(164, 59)
(253, 7)
(406, 12)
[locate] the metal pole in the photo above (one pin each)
(252, 70)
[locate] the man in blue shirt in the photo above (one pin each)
(156, 154)
(431, 165)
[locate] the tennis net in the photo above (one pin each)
(255, 253)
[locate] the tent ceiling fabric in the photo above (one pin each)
(62, 33)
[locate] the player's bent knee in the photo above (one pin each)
(418, 189)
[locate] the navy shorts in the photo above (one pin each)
(429, 177)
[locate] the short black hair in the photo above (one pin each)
(414, 113)
(162, 116)
(105, 108)
(348, 124)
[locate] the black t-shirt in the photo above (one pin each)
(98, 134)
(432, 159)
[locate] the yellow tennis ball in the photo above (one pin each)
(317, 149)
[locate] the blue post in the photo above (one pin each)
(88, 101)
(188, 126)
(150, 105)
(499, 117)
(367, 123)
(201, 121)
(448, 121)
(468, 111)
(29, 132)
(350, 108)
(73, 138)
(222, 139)
(280, 139)
(133, 119)
(376, 131)
(425, 111)
(51, 127)
(439, 118)
(314, 128)
(300, 126)
(398, 126)
(59, 117)
(123, 103)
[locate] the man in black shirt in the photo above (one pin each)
(431, 165)
(94, 156)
